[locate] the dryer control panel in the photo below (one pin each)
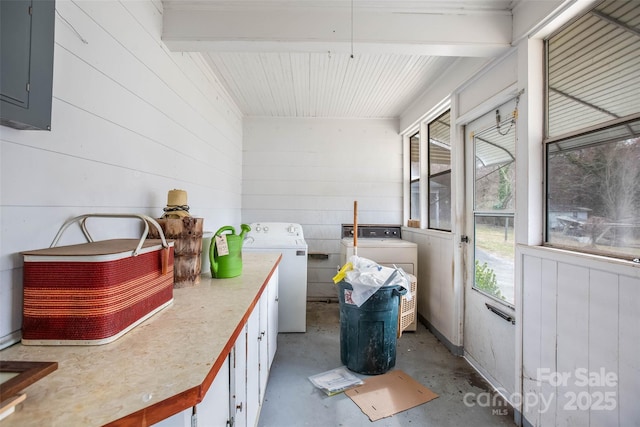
(374, 231)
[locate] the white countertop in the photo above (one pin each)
(162, 366)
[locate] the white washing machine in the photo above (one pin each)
(288, 239)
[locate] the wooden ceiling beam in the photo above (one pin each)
(187, 27)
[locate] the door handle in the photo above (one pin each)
(498, 312)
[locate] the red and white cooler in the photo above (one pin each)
(95, 292)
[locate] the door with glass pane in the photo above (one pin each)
(489, 328)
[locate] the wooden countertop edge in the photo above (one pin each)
(191, 397)
(159, 411)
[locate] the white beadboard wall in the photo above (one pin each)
(436, 287)
(310, 171)
(580, 312)
(131, 121)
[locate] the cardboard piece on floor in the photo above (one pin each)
(384, 395)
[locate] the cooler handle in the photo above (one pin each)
(83, 218)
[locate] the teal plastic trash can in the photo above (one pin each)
(368, 334)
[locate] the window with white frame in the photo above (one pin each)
(439, 132)
(592, 145)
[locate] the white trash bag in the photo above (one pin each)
(366, 277)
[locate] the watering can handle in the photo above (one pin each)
(226, 228)
(212, 259)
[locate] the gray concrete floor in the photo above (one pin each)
(291, 400)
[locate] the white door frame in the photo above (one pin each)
(458, 188)
(461, 214)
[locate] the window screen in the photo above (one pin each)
(439, 132)
(593, 128)
(414, 148)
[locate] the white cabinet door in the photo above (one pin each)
(213, 411)
(238, 390)
(263, 345)
(272, 315)
(253, 361)
(181, 419)
(238, 381)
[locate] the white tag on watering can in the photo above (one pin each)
(221, 245)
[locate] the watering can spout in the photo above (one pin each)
(245, 229)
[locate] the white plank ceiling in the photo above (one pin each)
(334, 58)
(324, 85)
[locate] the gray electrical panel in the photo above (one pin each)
(26, 63)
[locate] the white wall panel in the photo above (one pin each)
(485, 85)
(548, 335)
(293, 188)
(629, 349)
(436, 293)
(139, 57)
(358, 172)
(531, 307)
(310, 171)
(603, 339)
(588, 332)
(573, 334)
(10, 296)
(130, 121)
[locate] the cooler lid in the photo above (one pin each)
(105, 249)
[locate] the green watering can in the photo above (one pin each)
(228, 265)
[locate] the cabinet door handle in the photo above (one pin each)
(239, 407)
